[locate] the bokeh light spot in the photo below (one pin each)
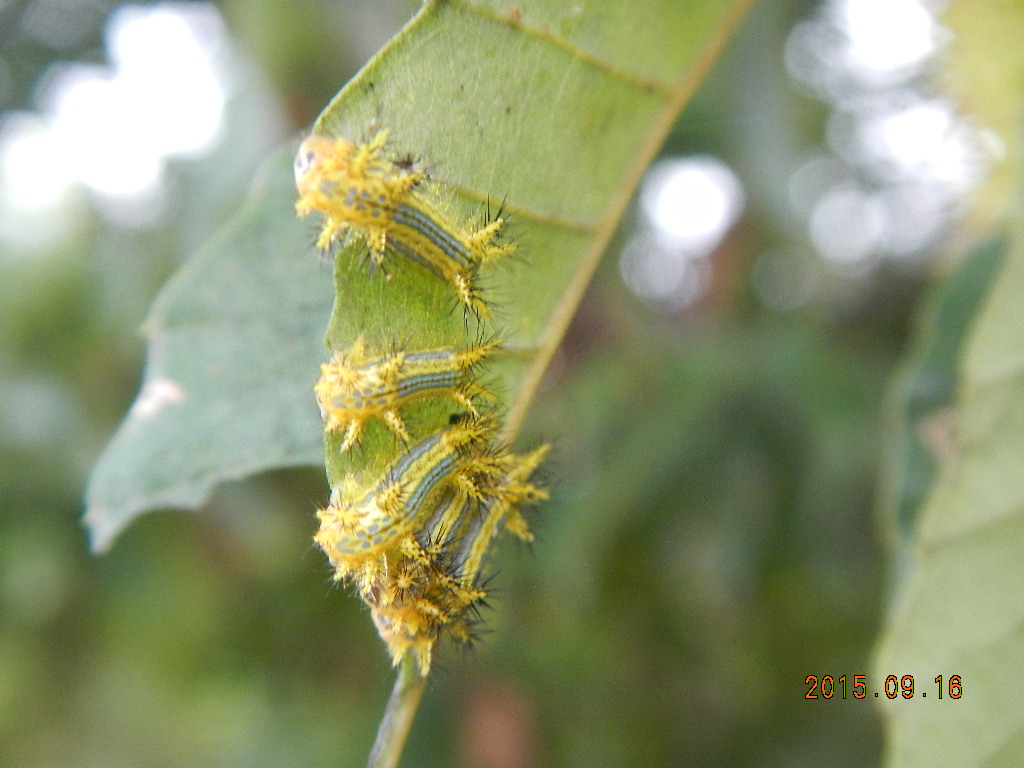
(687, 206)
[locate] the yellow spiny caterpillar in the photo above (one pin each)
(432, 583)
(359, 523)
(413, 538)
(383, 201)
(500, 510)
(356, 385)
(463, 528)
(416, 598)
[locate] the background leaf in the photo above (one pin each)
(958, 606)
(924, 394)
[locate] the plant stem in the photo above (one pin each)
(398, 716)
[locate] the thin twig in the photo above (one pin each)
(398, 716)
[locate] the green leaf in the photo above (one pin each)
(234, 339)
(554, 110)
(924, 394)
(555, 114)
(960, 608)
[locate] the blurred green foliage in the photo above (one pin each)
(710, 542)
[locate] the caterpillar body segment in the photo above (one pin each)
(358, 190)
(356, 386)
(417, 601)
(436, 585)
(500, 510)
(443, 527)
(463, 527)
(360, 524)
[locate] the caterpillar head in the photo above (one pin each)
(312, 157)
